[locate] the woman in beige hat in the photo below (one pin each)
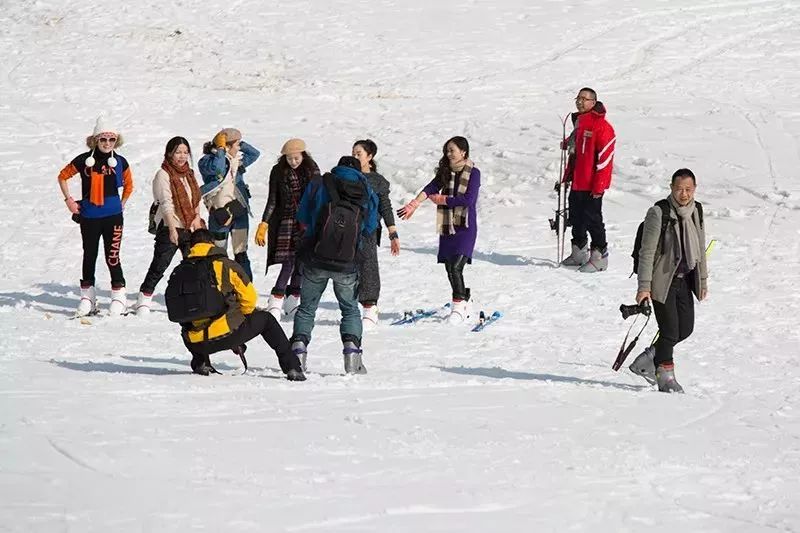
(225, 192)
(279, 229)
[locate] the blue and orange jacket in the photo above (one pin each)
(100, 183)
(241, 297)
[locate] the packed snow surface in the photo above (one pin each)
(522, 427)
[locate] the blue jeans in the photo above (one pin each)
(345, 287)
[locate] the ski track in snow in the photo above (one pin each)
(521, 427)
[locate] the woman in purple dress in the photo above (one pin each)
(454, 190)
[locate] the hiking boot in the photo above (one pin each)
(578, 256)
(352, 359)
(88, 303)
(299, 349)
(643, 365)
(202, 366)
(295, 375)
(598, 261)
(665, 377)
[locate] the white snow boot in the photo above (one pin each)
(369, 317)
(88, 303)
(643, 365)
(119, 302)
(274, 306)
(578, 256)
(665, 377)
(353, 363)
(143, 304)
(290, 304)
(598, 261)
(459, 312)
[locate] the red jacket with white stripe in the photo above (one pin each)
(594, 152)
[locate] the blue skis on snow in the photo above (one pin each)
(409, 317)
(484, 321)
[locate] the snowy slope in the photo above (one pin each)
(523, 427)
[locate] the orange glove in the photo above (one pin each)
(261, 233)
(220, 140)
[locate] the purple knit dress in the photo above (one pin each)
(463, 241)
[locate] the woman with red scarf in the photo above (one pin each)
(177, 195)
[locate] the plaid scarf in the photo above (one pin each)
(447, 218)
(185, 207)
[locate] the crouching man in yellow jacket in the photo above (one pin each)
(241, 322)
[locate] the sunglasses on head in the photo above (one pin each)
(107, 140)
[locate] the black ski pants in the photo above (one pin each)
(455, 274)
(586, 215)
(259, 322)
(675, 318)
(369, 276)
(110, 229)
(163, 252)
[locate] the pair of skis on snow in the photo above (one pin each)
(411, 317)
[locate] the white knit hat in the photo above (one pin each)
(104, 125)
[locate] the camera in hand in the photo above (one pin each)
(635, 309)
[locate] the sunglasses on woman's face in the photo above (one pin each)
(107, 140)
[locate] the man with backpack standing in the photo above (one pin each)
(215, 302)
(671, 267)
(591, 148)
(337, 210)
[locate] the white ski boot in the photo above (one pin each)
(598, 262)
(665, 377)
(459, 312)
(578, 256)
(88, 303)
(369, 317)
(290, 304)
(643, 365)
(300, 350)
(353, 363)
(274, 305)
(143, 304)
(119, 302)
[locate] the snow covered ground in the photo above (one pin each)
(523, 427)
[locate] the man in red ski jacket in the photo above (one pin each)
(591, 148)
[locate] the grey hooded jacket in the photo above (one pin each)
(656, 273)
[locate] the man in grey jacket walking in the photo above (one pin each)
(672, 268)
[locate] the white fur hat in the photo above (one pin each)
(104, 125)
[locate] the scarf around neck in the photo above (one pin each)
(447, 218)
(691, 247)
(185, 205)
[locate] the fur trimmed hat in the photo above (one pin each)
(293, 146)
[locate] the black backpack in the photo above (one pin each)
(665, 222)
(192, 291)
(338, 232)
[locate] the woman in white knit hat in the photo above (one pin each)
(279, 229)
(99, 212)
